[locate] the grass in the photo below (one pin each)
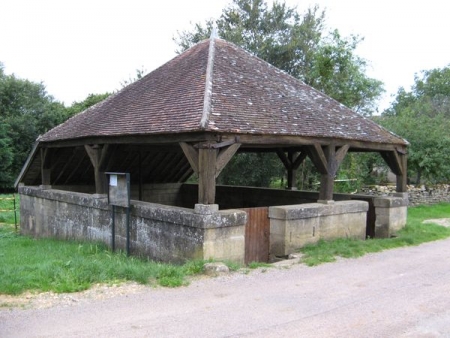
(7, 208)
(67, 266)
(414, 233)
(63, 266)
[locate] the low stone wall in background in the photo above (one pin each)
(417, 194)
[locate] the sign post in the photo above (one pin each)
(119, 196)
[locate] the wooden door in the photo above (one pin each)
(257, 235)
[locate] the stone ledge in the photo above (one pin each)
(158, 212)
(310, 210)
(77, 198)
(390, 202)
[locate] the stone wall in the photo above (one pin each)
(294, 226)
(165, 193)
(162, 233)
(417, 194)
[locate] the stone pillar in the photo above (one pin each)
(391, 215)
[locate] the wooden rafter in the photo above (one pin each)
(318, 158)
(97, 155)
(224, 156)
(291, 162)
(397, 162)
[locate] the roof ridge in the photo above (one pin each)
(208, 82)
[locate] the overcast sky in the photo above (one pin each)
(80, 47)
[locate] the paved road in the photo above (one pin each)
(397, 293)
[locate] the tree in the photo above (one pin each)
(422, 116)
(298, 44)
(6, 157)
(140, 73)
(27, 111)
(90, 100)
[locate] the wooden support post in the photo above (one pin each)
(397, 162)
(327, 179)
(207, 176)
(327, 162)
(97, 155)
(402, 179)
(207, 160)
(291, 162)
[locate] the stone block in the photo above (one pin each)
(294, 226)
(391, 215)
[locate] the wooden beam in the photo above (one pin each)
(402, 180)
(327, 162)
(397, 162)
(340, 153)
(281, 154)
(46, 166)
(318, 158)
(31, 157)
(96, 156)
(207, 176)
(299, 160)
(247, 140)
(392, 159)
(291, 162)
(191, 154)
(225, 156)
(327, 179)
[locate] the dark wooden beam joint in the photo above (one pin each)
(208, 163)
(217, 145)
(397, 162)
(327, 161)
(224, 156)
(191, 154)
(291, 162)
(97, 155)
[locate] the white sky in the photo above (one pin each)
(80, 47)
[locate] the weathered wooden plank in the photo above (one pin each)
(318, 158)
(224, 156)
(257, 234)
(340, 154)
(284, 159)
(207, 176)
(265, 141)
(392, 159)
(402, 180)
(191, 154)
(30, 159)
(299, 160)
(95, 155)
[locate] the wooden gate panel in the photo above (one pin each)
(257, 235)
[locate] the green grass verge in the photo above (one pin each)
(64, 266)
(413, 234)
